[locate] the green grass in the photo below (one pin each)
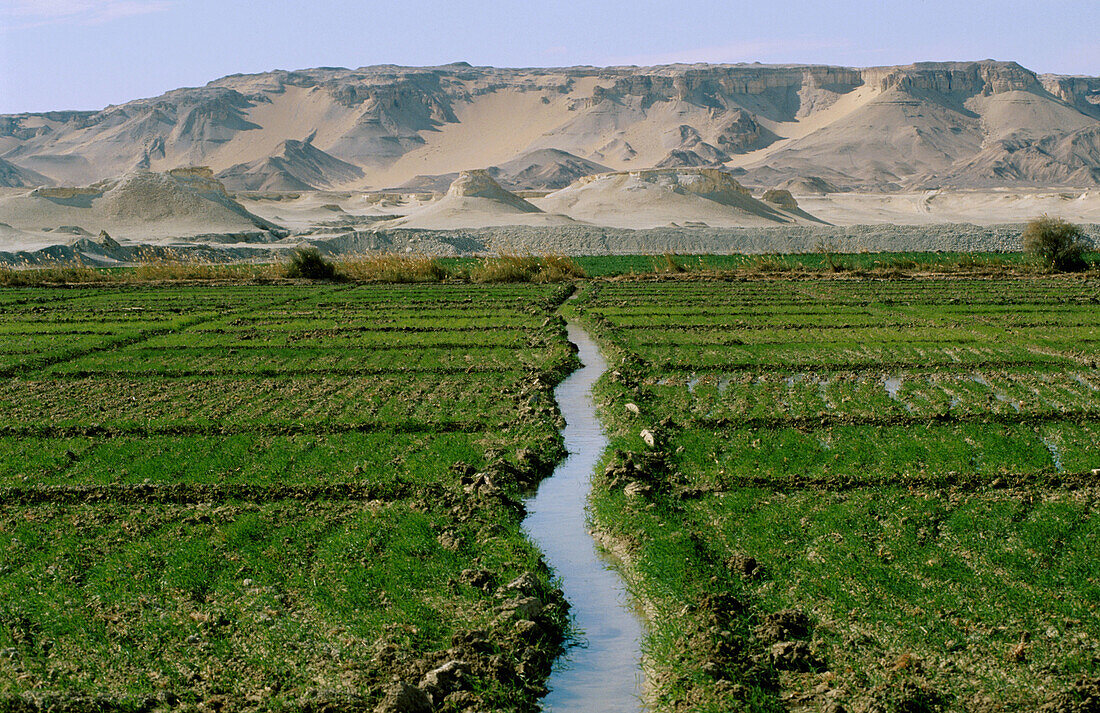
(114, 601)
(818, 262)
(956, 581)
(385, 458)
(940, 534)
(254, 498)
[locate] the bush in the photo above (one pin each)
(309, 264)
(1057, 243)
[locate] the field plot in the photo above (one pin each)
(275, 498)
(857, 495)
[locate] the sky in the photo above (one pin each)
(87, 54)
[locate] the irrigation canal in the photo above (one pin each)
(601, 670)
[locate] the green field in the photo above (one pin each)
(860, 495)
(830, 491)
(274, 498)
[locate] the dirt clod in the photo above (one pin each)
(793, 656)
(1083, 697)
(743, 565)
(478, 578)
(404, 698)
(783, 625)
(440, 682)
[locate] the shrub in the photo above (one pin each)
(308, 263)
(1057, 243)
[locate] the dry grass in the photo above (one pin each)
(11, 277)
(417, 268)
(169, 271)
(392, 268)
(146, 272)
(668, 264)
(521, 268)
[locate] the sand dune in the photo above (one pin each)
(539, 170)
(12, 176)
(141, 205)
(662, 197)
(979, 207)
(808, 185)
(306, 210)
(298, 166)
(475, 200)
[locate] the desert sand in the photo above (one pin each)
(366, 158)
(476, 200)
(140, 205)
(661, 197)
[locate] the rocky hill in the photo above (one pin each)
(924, 126)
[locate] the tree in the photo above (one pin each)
(1058, 244)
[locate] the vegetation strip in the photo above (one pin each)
(1083, 415)
(961, 482)
(201, 429)
(809, 366)
(193, 493)
(280, 371)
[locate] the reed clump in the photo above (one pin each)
(526, 268)
(393, 268)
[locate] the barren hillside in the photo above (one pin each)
(925, 126)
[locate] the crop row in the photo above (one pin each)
(243, 401)
(804, 357)
(851, 292)
(784, 456)
(352, 339)
(385, 458)
(869, 394)
(303, 360)
(820, 312)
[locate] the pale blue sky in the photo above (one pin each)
(85, 54)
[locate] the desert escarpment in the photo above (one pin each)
(923, 126)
